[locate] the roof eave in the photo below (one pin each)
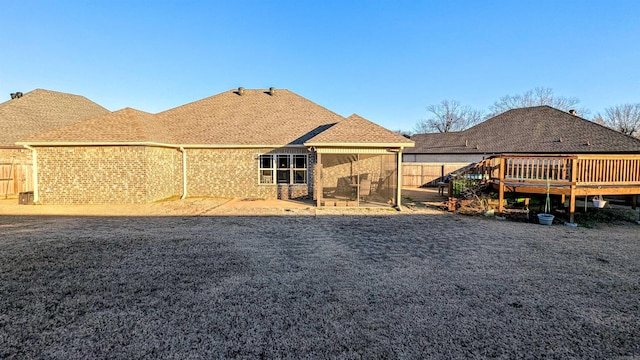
(153, 143)
(363, 145)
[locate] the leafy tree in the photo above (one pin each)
(448, 116)
(536, 97)
(624, 118)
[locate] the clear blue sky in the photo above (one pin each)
(385, 60)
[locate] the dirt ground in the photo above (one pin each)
(419, 198)
(415, 201)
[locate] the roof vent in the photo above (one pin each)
(466, 143)
(573, 112)
(272, 91)
(240, 91)
(16, 95)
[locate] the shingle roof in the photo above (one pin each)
(255, 117)
(41, 110)
(358, 130)
(540, 129)
(126, 125)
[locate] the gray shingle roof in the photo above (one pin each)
(41, 110)
(255, 118)
(540, 129)
(126, 125)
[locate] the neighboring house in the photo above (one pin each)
(534, 130)
(240, 143)
(25, 115)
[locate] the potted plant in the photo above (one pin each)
(599, 202)
(546, 218)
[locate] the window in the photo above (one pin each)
(283, 169)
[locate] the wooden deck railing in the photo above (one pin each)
(538, 169)
(608, 170)
(571, 175)
(601, 170)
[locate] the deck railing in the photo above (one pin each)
(606, 170)
(558, 170)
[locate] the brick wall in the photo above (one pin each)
(164, 173)
(234, 173)
(106, 174)
(138, 174)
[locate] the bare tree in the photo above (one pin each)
(448, 116)
(536, 97)
(404, 133)
(624, 118)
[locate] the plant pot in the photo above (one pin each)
(599, 203)
(545, 219)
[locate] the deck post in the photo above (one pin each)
(572, 190)
(634, 201)
(572, 204)
(501, 186)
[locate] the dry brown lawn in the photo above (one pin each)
(295, 282)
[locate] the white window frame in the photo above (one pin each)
(269, 175)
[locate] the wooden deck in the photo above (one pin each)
(570, 175)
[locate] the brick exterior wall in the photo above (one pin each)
(234, 173)
(139, 174)
(164, 173)
(106, 174)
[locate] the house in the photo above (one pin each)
(28, 114)
(242, 143)
(533, 130)
(534, 150)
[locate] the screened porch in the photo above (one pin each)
(357, 179)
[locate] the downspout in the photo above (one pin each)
(399, 195)
(184, 173)
(34, 158)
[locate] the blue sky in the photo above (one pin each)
(385, 60)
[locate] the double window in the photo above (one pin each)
(283, 169)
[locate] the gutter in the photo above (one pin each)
(35, 172)
(184, 172)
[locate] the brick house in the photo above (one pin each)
(240, 143)
(28, 114)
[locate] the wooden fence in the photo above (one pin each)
(426, 174)
(15, 178)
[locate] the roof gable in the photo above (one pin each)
(539, 129)
(41, 110)
(358, 130)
